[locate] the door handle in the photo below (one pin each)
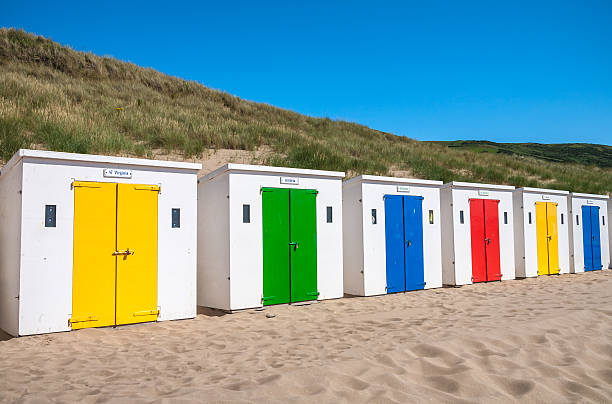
(295, 245)
(407, 242)
(124, 252)
(549, 238)
(488, 240)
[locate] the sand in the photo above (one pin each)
(537, 340)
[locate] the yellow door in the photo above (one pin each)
(93, 278)
(553, 238)
(542, 238)
(137, 253)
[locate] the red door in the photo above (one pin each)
(484, 228)
(477, 228)
(492, 239)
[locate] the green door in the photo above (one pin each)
(289, 245)
(275, 216)
(303, 228)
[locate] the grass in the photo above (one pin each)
(581, 153)
(56, 98)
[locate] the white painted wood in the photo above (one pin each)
(45, 266)
(352, 238)
(456, 240)
(243, 255)
(213, 243)
(609, 232)
(10, 247)
(364, 242)
(576, 201)
(526, 245)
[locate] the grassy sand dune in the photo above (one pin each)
(53, 97)
(536, 340)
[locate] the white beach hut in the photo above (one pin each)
(89, 241)
(609, 232)
(541, 232)
(268, 235)
(589, 243)
(477, 233)
(391, 235)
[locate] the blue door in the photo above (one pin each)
(587, 238)
(595, 237)
(413, 234)
(404, 243)
(394, 242)
(591, 238)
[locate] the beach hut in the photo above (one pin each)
(589, 248)
(477, 233)
(609, 232)
(268, 235)
(542, 232)
(90, 241)
(391, 235)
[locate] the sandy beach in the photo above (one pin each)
(536, 340)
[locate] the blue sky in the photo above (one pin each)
(432, 70)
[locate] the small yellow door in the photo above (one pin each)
(93, 279)
(542, 238)
(137, 249)
(553, 238)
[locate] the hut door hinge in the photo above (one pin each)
(82, 320)
(146, 313)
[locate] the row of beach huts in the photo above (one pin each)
(93, 241)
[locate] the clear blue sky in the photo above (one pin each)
(513, 71)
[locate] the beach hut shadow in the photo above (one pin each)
(208, 312)
(4, 336)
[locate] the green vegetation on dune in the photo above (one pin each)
(580, 153)
(56, 98)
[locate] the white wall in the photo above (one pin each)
(609, 231)
(352, 238)
(10, 243)
(375, 274)
(47, 253)
(246, 239)
(576, 240)
(448, 238)
(213, 243)
(519, 233)
(462, 235)
(529, 246)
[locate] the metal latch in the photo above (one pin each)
(124, 252)
(295, 245)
